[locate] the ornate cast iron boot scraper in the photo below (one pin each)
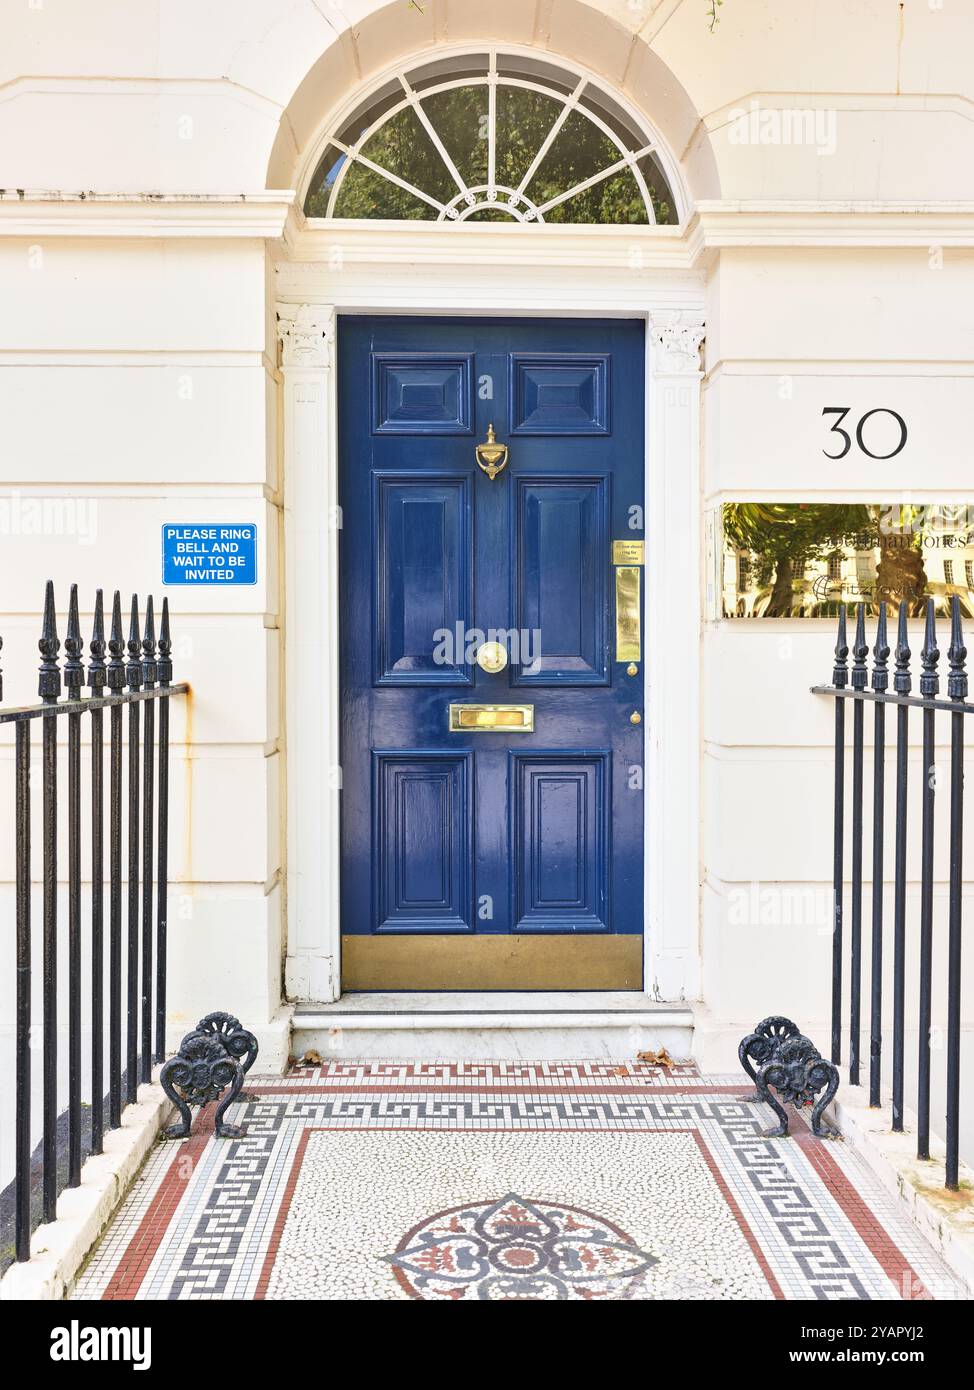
(793, 1065)
(217, 1054)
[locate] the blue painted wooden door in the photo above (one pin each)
(452, 840)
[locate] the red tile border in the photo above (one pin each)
(890, 1258)
(131, 1269)
(451, 1090)
(570, 1070)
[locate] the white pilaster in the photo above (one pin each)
(311, 521)
(673, 666)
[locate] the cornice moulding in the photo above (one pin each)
(723, 223)
(712, 226)
(271, 215)
(385, 243)
(39, 214)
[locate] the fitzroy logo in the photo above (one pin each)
(77, 1343)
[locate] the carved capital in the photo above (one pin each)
(677, 338)
(307, 333)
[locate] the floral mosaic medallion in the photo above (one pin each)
(513, 1249)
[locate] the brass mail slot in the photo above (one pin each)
(486, 718)
(629, 642)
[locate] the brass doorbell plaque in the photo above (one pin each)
(628, 552)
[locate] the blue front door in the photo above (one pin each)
(492, 673)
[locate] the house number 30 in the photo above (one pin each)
(842, 411)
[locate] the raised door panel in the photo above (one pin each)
(422, 841)
(559, 830)
(423, 577)
(559, 393)
(559, 568)
(421, 393)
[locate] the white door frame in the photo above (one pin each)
(347, 276)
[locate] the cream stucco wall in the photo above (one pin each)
(174, 96)
(797, 332)
(142, 259)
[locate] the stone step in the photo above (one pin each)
(584, 1026)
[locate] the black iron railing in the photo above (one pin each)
(852, 685)
(141, 682)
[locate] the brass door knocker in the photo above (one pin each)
(491, 456)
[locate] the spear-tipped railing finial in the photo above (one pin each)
(49, 679)
(149, 666)
(956, 654)
(74, 666)
(164, 665)
(929, 654)
(133, 667)
(881, 652)
(860, 650)
(96, 647)
(115, 672)
(902, 680)
(841, 668)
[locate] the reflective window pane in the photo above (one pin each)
(664, 206)
(443, 69)
(459, 117)
(536, 70)
(494, 214)
(524, 118)
(329, 167)
(364, 193)
(403, 147)
(578, 151)
(369, 112)
(615, 199)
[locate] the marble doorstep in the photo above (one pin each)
(589, 1025)
(493, 1002)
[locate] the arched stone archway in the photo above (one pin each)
(609, 40)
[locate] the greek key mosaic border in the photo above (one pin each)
(219, 1249)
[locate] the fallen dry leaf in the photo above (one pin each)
(656, 1059)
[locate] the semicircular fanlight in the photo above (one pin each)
(492, 137)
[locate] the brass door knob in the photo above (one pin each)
(635, 717)
(491, 657)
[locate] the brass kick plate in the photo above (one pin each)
(484, 719)
(629, 644)
(444, 960)
(628, 552)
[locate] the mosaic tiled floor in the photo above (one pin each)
(508, 1181)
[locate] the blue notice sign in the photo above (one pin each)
(207, 552)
